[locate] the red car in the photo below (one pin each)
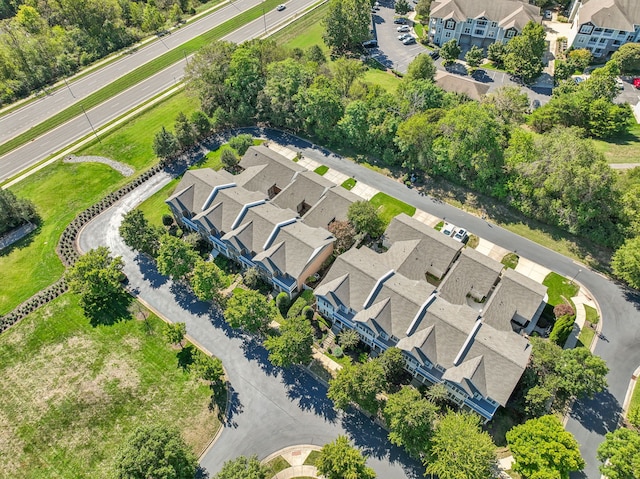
(636, 82)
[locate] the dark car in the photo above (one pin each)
(400, 21)
(435, 54)
(370, 44)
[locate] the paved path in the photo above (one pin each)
(296, 456)
(270, 408)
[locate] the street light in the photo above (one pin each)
(575, 276)
(264, 17)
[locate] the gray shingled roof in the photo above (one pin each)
(507, 13)
(457, 84)
(306, 186)
(472, 274)
(333, 205)
(265, 168)
(433, 254)
(516, 297)
(614, 14)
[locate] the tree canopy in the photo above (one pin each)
(243, 468)
(14, 211)
(626, 262)
(156, 451)
(620, 454)
(206, 280)
(138, 234)
(340, 460)
(346, 24)
(543, 449)
(175, 257)
(364, 218)
(524, 52)
(249, 310)
(293, 344)
(360, 384)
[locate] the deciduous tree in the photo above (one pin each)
(620, 454)
(474, 57)
(243, 468)
(402, 7)
(450, 51)
(138, 234)
(241, 143)
(626, 262)
(359, 384)
(542, 448)
(524, 53)
(207, 367)
(293, 344)
(340, 460)
(175, 257)
(420, 68)
(249, 310)
(627, 58)
(423, 9)
(156, 451)
(174, 333)
(14, 211)
(206, 280)
(228, 158)
(496, 53)
(348, 338)
(345, 236)
(346, 24)
(364, 218)
(392, 363)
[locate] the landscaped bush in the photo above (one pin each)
(337, 352)
(241, 143)
(563, 309)
(297, 308)
(282, 302)
(308, 312)
(562, 330)
(167, 220)
(251, 278)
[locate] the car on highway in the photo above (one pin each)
(409, 40)
(461, 235)
(403, 28)
(403, 36)
(448, 229)
(400, 21)
(280, 7)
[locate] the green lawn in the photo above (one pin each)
(419, 29)
(321, 170)
(586, 337)
(439, 226)
(510, 260)
(276, 465)
(349, 183)
(72, 392)
(623, 149)
(133, 142)
(559, 287)
(312, 458)
(635, 398)
(305, 32)
(140, 73)
(592, 314)
(388, 206)
(385, 79)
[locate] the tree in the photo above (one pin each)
(415, 137)
(509, 103)
(420, 68)
(138, 234)
(543, 449)
(364, 218)
(359, 384)
(156, 451)
(423, 9)
(165, 144)
(175, 15)
(627, 58)
(344, 233)
(184, 131)
(580, 58)
(174, 333)
(319, 108)
(582, 373)
(340, 460)
(346, 24)
(251, 277)
(561, 330)
(207, 367)
(283, 302)
(460, 449)
(152, 18)
(496, 53)
(402, 7)
(284, 81)
(292, 345)
(249, 310)
(392, 363)
(206, 280)
(175, 257)
(345, 72)
(620, 453)
(450, 51)
(14, 211)
(474, 57)
(243, 468)
(348, 338)
(626, 262)
(524, 53)
(96, 278)
(201, 123)
(241, 143)
(410, 420)
(228, 158)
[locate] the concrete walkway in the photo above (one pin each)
(296, 456)
(582, 299)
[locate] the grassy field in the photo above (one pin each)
(139, 74)
(32, 264)
(388, 206)
(72, 392)
(559, 288)
(624, 149)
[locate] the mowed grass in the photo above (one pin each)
(559, 288)
(622, 149)
(388, 207)
(61, 190)
(132, 143)
(72, 392)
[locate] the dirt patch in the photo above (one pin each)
(10, 447)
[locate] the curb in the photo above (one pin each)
(630, 389)
(282, 451)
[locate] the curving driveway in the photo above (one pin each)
(270, 408)
(274, 408)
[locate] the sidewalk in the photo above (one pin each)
(295, 456)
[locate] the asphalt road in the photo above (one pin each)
(270, 408)
(43, 146)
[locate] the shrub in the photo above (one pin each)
(251, 278)
(228, 158)
(308, 312)
(337, 352)
(282, 302)
(634, 416)
(562, 330)
(241, 143)
(563, 309)
(297, 308)
(167, 220)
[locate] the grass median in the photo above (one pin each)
(139, 74)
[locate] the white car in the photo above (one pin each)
(403, 28)
(461, 235)
(404, 36)
(280, 7)
(448, 229)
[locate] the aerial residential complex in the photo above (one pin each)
(453, 311)
(473, 22)
(602, 26)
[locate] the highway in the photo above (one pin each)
(29, 154)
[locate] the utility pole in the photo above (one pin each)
(92, 129)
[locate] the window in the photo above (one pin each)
(450, 24)
(478, 31)
(448, 34)
(492, 34)
(603, 40)
(510, 33)
(617, 42)
(597, 30)
(586, 29)
(467, 30)
(608, 31)
(630, 38)
(469, 20)
(494, 24)
(481, 23)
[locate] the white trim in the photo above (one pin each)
(275, 230)
(424, 306)
(382, 279)
(243, 212)
(213, 193)
(472, 334)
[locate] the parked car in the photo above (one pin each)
(400, 21)
(636, 82)
(280, 7)
(403, 28)
(448, 229)
(619, 84)
(409, 40)
(435, 54)
(403, 36)
(370, 44)
(461, 235)
(547, 15)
